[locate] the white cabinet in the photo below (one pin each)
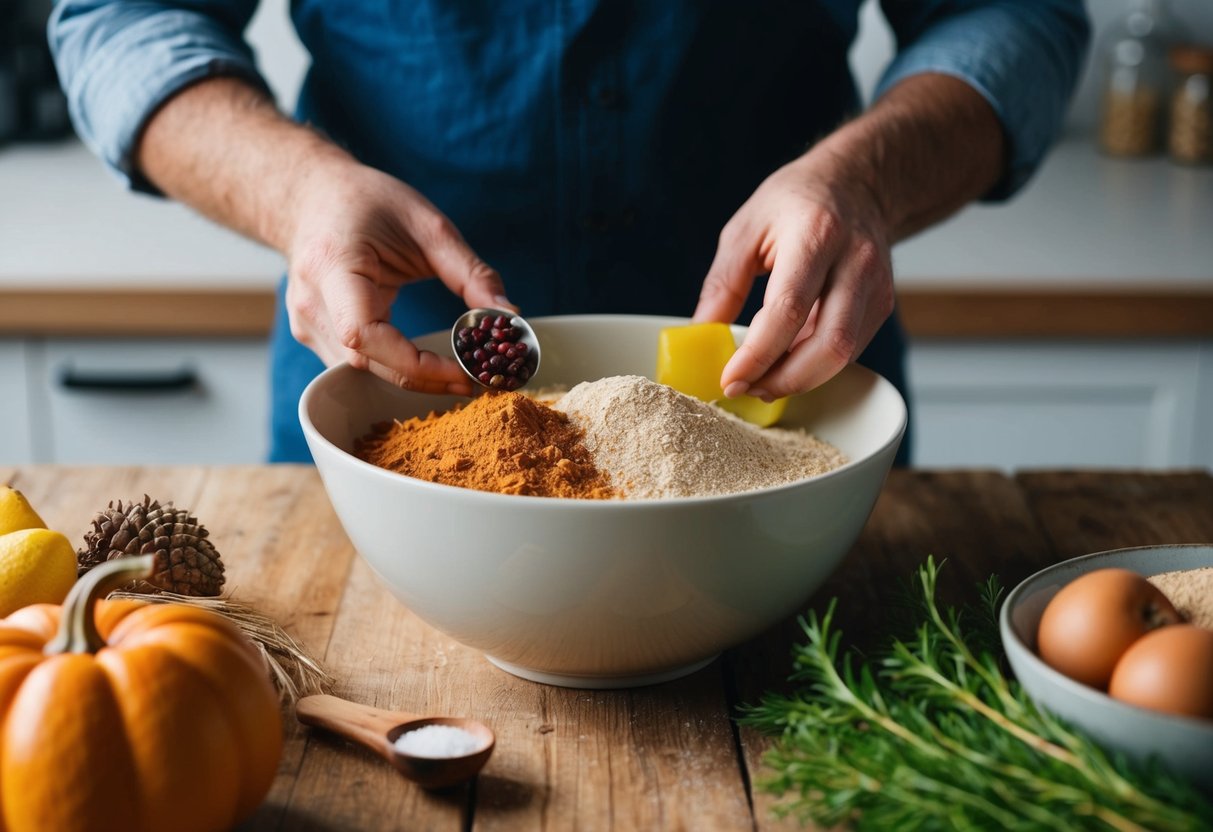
(16, 441)
(1056, 404)
(150, 401)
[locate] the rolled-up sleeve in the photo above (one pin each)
(1023, 56)
(119, 61)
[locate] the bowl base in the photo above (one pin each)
(601, 682)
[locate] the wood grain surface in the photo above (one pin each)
(1140, 311)
(132, 313)
(1024, 312)
(669, 756)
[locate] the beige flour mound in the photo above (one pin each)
(1191, 592)
(653, 441)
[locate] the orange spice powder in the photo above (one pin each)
(502, 442)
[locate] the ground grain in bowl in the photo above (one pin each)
(654, 442)
(1191, 592)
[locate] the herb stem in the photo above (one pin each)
(933, 735)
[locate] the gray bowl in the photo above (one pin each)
(1183, 744)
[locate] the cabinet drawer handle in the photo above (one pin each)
(168, 381)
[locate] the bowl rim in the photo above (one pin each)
(1010, 636)
(621, 504)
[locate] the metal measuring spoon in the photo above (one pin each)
(513, 359)
(378, 730)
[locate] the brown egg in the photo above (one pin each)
(1168, 670)
(1093, 620)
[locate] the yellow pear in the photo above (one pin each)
(37, 566)
(16, 513)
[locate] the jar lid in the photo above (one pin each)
(1189, 59)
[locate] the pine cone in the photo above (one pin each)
(186, 562)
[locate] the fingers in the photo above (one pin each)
(856, 301)
(457, 266)
(730, 277)
(367, 235)
(423, 380)
(344, 316)
(804, 252)
(359, 314)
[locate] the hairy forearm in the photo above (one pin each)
(222, 147)
(925, 149)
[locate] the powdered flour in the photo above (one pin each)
(653, 441)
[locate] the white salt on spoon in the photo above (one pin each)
(434, 751)
(438, 742)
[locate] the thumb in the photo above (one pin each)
(462, 270)
(483, 287)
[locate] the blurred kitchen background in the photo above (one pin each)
(1070, 327)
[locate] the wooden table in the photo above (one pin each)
(664, 757)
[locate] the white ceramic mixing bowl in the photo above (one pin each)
(593, 593)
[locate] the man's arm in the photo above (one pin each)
(222, 147)
(1022, 56)
(352, 235)
(168, 95)
(966, 110)
(928, 147)
(823, 225)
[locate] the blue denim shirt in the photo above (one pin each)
(590, 150)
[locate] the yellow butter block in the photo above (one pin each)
(755, 411)
(691, 358)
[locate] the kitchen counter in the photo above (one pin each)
(662, 757)
(1094, 246)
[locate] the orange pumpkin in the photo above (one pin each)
(120, 715)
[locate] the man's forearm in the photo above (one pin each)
(222, 147)
(925, 149)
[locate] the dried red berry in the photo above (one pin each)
(491, 349)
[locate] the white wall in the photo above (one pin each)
(280, 56)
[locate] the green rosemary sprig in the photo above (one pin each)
(933, 735)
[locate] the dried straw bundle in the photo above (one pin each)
(293, 672)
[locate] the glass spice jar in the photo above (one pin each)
(1190, 137)
(1135, 81)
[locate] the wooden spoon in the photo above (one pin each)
(378, 730)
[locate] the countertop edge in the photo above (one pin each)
(134, 312)
(927, 311)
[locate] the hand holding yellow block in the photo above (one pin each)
(691, 358)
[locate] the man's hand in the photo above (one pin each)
(823, 225)
(352, 235)
(362, 235)
(822, 237)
